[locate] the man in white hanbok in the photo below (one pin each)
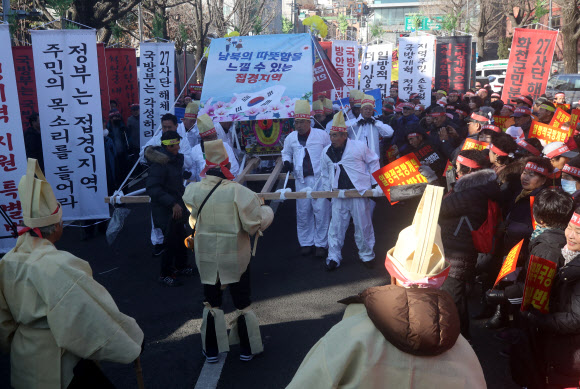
(188, 124)
(368, 129)
(348, 164)
(354, 100)
(208, 132)
(301, 155)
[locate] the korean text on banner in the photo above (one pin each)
(67, 81)
(510, 262)
(416, 67)
(376, 69)
(502, 122)
(402, 171)
(538, 284)
(565, 107)
(324, 73)
(156, 87)
(12, 152)
(25, 82)
(122, 78)
(472, 144)
(345, 60)
(548, 133)
(560, 116)
(529, 63)
(260, 77)
(574, 119)
(453, 63)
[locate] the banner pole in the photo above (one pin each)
(156, 132)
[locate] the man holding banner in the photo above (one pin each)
(348, 164)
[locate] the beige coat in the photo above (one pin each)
(355, 354)
(222, 237)
(52, 313)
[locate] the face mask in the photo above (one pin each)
(569, 186)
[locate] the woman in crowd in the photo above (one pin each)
(464, 209)
(475, 102)
(571, 177)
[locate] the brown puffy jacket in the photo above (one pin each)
(418, 321)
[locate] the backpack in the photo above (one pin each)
(483, 237)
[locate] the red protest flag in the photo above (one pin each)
(503, 122)
(105, 101)
(510, 262)
(403, 171)
(539, 279)
(326, 76)
(560, 116)
(529, 63)
(122, 78)
(25, 82)
(548, 133)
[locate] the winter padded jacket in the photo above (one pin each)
(164, 185)
(466, 205)
(560, 329)
(393, 337)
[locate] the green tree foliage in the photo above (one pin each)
(342, 24)
(503, 47)
(287, 25)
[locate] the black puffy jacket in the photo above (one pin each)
(468, 200)
(560, 329)
(165, 185)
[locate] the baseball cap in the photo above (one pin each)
(558, 149)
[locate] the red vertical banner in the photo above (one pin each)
(539, 279)
(452, 63)
(122, 78)
(105, 101)
(529, 63)
(25, 82)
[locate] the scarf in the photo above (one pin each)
(569, 254)
(538, 231)
(523, 194)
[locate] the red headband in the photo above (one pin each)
(223, 168)
(491, 127)
(301, 116)
(525, 145)
(413, 134)
(560, 94)
(575, 219)
(407, 105)
(479, 118)
(318, 111)
(190, 116)
(453, 94)
(338, 129)
(389, 110)
(437, 114)
(538, 169)
(571, 170)
(208, 133)
(467, 162)
(524, 99)
(450, 107)
(509, 106)
(461, 112)
(498, 151)
(560, 150)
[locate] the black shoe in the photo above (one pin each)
(186, 271)
(499, 319)
(305, 251)
(158, 249)
(369, 264)
(321, 252)
(331, 265)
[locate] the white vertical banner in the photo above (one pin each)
(156, 86)
(376, 69)
(345, 60)
(69, 105)
(12, 152)
(416, 55)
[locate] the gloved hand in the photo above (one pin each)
(494, 296)
(378, 191)
(288, 167)
(428, 173)
(186, 175)
(531, 317)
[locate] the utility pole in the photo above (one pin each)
(550, 17)
(6, 8)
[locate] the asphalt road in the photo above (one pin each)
(295, 300)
